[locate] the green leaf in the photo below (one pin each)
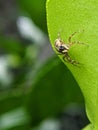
(78, 15)
(88, 127)
(53, 88)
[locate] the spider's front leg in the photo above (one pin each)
(78, 42)
(70, 37)
(75, 42)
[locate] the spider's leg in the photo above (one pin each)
(74, 62)
(64, 58)
(68, 59)
(71, 61)
(59, 34)
(78, 42)
(70, 37)
(59, 54)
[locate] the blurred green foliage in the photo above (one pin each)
(36, 10)
(52, 91)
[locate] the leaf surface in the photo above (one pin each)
(67, 17)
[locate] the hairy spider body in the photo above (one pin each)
(63, 48)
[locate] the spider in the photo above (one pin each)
(63, 48)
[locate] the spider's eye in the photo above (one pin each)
(62, 48)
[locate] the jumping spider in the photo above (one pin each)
(63, 48)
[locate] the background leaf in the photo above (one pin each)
(49, 96)
(10, 100)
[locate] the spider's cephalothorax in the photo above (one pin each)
(63, 48)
